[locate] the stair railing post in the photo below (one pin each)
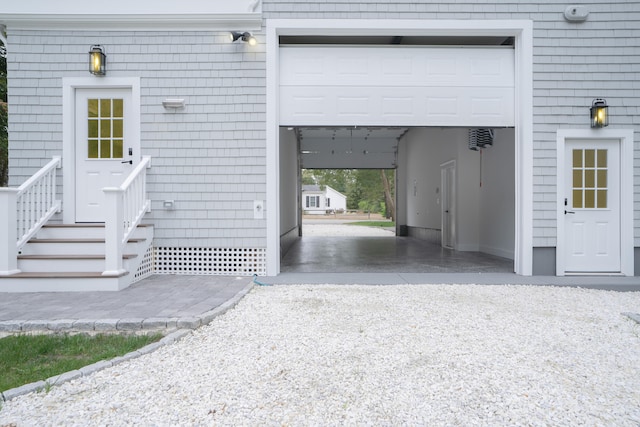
(114, 231)
(9, 226)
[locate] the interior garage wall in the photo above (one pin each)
(484, 215)
(289, 189)
(497, 196)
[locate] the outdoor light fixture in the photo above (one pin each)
(599, 113)
(97, 60)
(173, 103)
(246, 37)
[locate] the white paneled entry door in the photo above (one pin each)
(106, 149)
(592, 206)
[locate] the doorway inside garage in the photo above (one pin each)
(431, 88)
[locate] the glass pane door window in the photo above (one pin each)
(589, 182)
(105, 132)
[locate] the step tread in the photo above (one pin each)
(78, 257)
(58, 275)
(80, 240)
(85, 225)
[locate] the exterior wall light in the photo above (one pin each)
(599, 113)
(246, 37)
(97, 60)
(173, 103)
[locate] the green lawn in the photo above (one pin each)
(374, 223)
(28, 358)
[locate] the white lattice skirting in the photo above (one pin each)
(145, 269)
(213, 261)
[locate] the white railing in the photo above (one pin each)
(125, 206)
(24, 210)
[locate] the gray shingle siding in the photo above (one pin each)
(573, 63)
(211, 158)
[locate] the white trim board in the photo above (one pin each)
(160, 15)
(625, 136)
(521, 30)
(69, 86)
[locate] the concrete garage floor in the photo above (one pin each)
(384, 254)
(333, 252)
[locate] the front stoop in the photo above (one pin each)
(71, 258)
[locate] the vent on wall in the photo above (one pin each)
(480, 138)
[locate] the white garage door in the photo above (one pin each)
(396, 86)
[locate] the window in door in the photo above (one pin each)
(105, 136)
(589, 183)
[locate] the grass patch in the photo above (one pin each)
(28, 358)
(385, 224)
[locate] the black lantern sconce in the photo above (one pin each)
(246, 37)
(599, 113)
(97, 60)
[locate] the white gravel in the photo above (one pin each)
(376, 355)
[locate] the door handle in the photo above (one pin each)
(568, 212)
(128, 161)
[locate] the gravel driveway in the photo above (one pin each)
(376, 355)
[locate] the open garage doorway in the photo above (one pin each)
(426, 77)
(431, 166)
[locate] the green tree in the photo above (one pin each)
(4, 119)
(366, 189)
(338, 179)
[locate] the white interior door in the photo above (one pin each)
(592, 206)
(105, 149)
(448, 190)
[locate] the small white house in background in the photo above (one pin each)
(316, 201)
(199, 122)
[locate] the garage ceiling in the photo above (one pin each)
(349, 147)
(354, 147)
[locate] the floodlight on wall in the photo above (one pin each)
(246, 37)
(97, 60)
(599, 113)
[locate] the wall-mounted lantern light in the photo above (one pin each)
(97, 60)
(246, 37)
(599, 113)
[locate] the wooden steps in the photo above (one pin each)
(71, 257)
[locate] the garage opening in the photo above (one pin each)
(412, 105)
(478, 199)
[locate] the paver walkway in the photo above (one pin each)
(158, 302)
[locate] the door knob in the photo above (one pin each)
(128, 161)
(568, 212)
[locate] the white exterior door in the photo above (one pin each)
(106, 150)
(592, 206)
(448, 190)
